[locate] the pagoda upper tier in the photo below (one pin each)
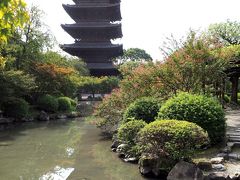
(93, 31)
(94, 12)
(89, 50)
(96, 1)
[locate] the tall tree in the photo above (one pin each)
(13, 16)
(27, 43)
(225, 33)
(134, 54)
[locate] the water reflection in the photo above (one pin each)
(66, 149)
(58, 173)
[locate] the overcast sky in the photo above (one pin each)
(146, 23)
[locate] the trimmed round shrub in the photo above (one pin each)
(172, 139)
(145, 109)
(226, 98)
(204, 111)
(48, 103)
(64, 104)
(73, 103)
(15, 107)
(128, 131)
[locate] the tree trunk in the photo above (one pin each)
(234, 81)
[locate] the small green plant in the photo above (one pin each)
(127, 133)
(172, 139)
(226, 99)
(48, 103)
(64, 104)
(145, 109)
(15, 107)
(73, 103)
(204, 111)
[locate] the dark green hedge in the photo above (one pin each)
(205, 111)
(145, 109)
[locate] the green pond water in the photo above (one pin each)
(60, 149)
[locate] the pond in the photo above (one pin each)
(60, 149)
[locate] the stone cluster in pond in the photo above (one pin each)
(43, 116)
(148, 166)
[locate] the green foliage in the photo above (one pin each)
(51, 57)
(15, 83)
(48, 103)
(204, 111)
(73, 103)
(145, 109)
(134, 54)
(227, 98)
(13, 15)
(128, 131)
(110, 110)
(173, 139)
(15, 107)
(192, 68)
(94, 85)
(64, 104)
(225, 33)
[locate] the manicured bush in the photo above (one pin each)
(64, 104)
(73, 103)
(127, 134)
(15, 107)
(227, 98)
(172, 139)
(48, 103)
(204, 111)
(145, 109)
(128, 131)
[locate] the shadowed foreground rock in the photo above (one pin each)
(185, 171)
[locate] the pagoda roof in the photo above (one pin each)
(95, 1)
(93, 49)
(101, 65)
(94, 12)
(103, 69)
(93, 30)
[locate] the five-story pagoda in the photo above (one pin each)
(97, 23)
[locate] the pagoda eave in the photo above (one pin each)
(95, 50)
(83, 31)
(109, 12)
(95, 1)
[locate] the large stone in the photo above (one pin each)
(61, 116)
(115, 144)
(205, 165)
(219, 167)
(6, 120)
(185, 171)
(122, 148)
(218, 176)
(234, 156)
(224, 155)
(146, 164)
(217, 160)
(131, 159)
(236, 177)
(43, 116)
(73, 114)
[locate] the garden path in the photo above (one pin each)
(233, 126)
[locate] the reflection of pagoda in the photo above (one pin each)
(97, 22)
